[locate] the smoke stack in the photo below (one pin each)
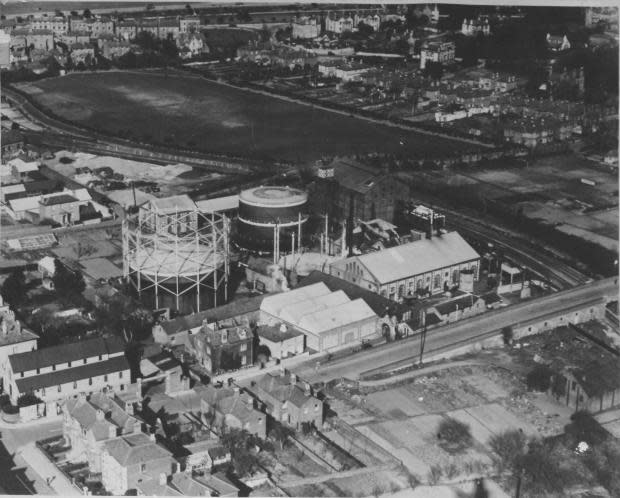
(350, 226)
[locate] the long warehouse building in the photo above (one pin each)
(328, 319)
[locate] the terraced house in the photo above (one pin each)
(56, 373)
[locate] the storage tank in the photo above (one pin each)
(175, 256)
(270, 218)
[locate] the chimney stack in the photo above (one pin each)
(307, 391)
(293, 379)
(100, 414)
(236, 391)
(282, 371)
(283, 328)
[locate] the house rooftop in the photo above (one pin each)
(136, 448)
(280, 387)
(276, 333)
(63, 353)
(460, 303)
(52, 379)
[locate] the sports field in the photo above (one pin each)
(216, 118)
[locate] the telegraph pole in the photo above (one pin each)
(423, 336)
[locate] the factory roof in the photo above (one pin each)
(422, 256)
(294, 312)
(379, 304)
(276, 303)
(219, 204)
(173, 203)
(273, 196)
(356, 176)
(324, 320)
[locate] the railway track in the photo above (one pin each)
(558, 273)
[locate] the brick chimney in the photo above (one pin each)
(293, 378)
(307, 390)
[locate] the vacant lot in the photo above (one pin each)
(215, 118)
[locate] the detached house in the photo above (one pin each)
(288, 400)
(230, 408)
(458, 308)
(129, 462)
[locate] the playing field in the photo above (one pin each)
(216, 118)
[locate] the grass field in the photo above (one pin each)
(216, 118)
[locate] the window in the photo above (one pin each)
(38, 371)
(120, 375)
(90, 381)
(43, 392)
(69, 364)
(100, 357)
(53, 368)
(21, 374)
(59, 388)
(85, 361)
(437, 281)
(105, 378)
(75, 385)
(142, 467)
(243, 347)
(243, 360)
(573, 386)
(122, 387)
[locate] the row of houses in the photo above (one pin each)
(96, 26)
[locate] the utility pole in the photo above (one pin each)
(422, 337)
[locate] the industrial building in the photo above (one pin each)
(175, 256)
(327, 319)
(271, 219)
(426, 266)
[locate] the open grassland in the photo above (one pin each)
(210, 117)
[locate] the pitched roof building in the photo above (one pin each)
(89, 422)
(400, 271)
(230, 408)
(59, 372)
(289, 400)
(328, 319)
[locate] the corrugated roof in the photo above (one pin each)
(63, 353)
(422, 256)
(336, 316)
(68, 375)
(294, 312)
(276, 303)
(173, 203)
(218, 204)
(379, 304)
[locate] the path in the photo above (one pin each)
(419, 372)
(47, 470)
(340, 475)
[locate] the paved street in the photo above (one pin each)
(21, 473)
(443, 337)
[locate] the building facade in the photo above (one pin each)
(423, 266)
(59, 372)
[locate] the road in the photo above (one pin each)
(455, 335)
(19, 475)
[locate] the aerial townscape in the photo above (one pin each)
(309, 249)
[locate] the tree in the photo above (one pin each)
(27, 399)
(434, 70)
(68, 284)
(510, 447)
(86, 14)
(584, 427)
(281, 433)
(539, 379)
(454, 436)
(14, 288)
